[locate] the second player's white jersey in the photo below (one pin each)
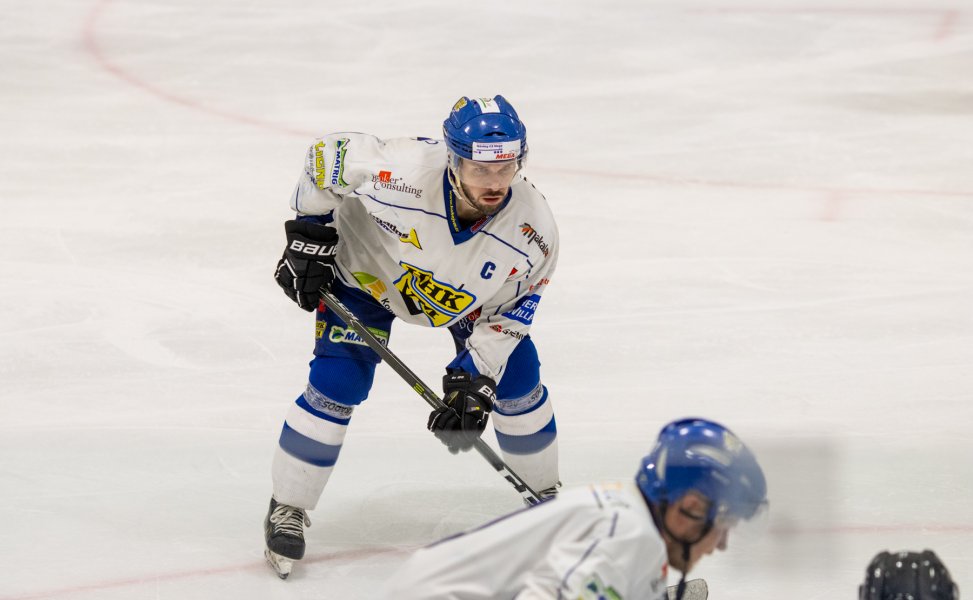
(401, 240)
(589, 543)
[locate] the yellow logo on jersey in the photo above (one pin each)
(440, 302)
(411, 238)
(320, 170)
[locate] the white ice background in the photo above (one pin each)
(766, 211)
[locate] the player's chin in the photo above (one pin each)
(677, 562)
(490, 204)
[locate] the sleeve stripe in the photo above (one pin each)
(564, 579)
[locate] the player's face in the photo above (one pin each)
(486, 183)
(686, 520)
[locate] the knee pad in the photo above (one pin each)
(522, 372)
(342, 380)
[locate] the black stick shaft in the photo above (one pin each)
(332, 302)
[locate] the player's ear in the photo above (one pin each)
(693, 506)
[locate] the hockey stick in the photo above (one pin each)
(332, 302)
(696, 589)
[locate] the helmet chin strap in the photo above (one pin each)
(458, 190)
(686, 545)
(681, 588)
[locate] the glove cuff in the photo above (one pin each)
(456, 380)
(315, 232)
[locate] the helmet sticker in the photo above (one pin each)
(494, 151)
(487, 105)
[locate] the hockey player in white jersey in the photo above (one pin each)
(604, 541)
(436, 233)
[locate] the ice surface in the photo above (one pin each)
(767, 219)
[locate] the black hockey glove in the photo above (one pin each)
(468, 405)
(308, 262)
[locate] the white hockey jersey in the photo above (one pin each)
(597, 542)
(401, 241)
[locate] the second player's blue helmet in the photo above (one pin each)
(485, 129)
(705, 457)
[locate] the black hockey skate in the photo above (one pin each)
(284, 534)
(547, 493)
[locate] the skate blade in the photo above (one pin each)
(281, 564)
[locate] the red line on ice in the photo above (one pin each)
(347, 555)
(90, 42)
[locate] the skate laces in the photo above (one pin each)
(288, 519)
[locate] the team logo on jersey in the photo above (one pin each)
(406, 238)
(524, 311)
(440, 302)
(594, 589)
(341, 335)
(385, 181)
(533, 237)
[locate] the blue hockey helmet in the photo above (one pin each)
(485, 129)
(705, 457)
(907, 576)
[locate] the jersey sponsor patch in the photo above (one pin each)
(406, 238)
(342, 335)
(524, 311)
(385, 181)
(595, 589)
(528, 231)
(439, 301)
(512, 333)
(316, 162)
(371, 284)
(338, 165)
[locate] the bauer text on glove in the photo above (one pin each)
(468, 401)
(308, 262)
